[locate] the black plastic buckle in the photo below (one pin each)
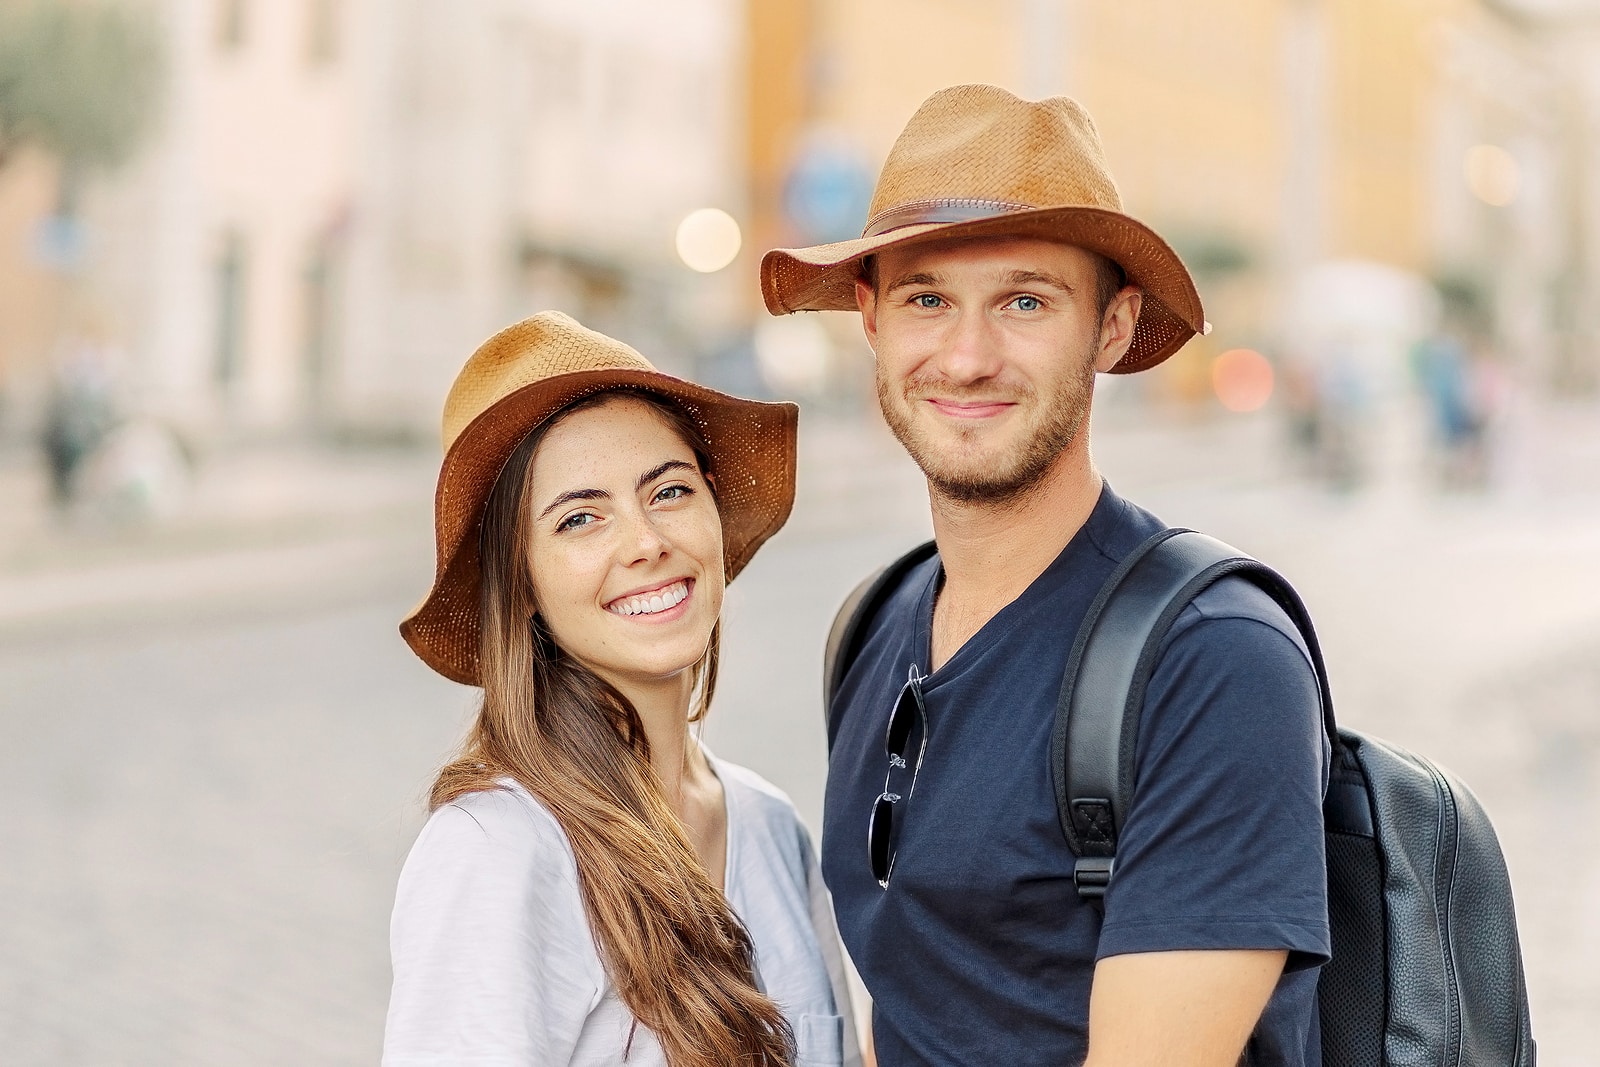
(1092, 874)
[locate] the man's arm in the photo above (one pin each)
(1178, 1009)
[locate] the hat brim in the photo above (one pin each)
(823, 277)
(753, 452)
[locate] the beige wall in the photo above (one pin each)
(29, 294)
(273, 150)
(1188, 99)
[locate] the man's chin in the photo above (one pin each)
(973, 476)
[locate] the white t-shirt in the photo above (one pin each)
(494, 963)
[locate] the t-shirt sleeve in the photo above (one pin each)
(488, 941)
(1223, 843)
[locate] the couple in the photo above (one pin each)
(594, 887)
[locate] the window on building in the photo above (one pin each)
(322, 31)
(320, 287)
(230, 281)
(233, 18)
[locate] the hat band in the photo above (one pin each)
(952, 210)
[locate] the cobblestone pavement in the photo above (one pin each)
(217, 746)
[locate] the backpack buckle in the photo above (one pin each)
(1092, 874)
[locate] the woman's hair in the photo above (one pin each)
(680, 959)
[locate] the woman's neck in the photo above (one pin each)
(688, 784)
(676, 758)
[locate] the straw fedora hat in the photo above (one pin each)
(519, 378)
(976, 161)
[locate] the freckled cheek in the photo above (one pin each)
(568, 580)
(698, 535)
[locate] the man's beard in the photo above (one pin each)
(980, 479)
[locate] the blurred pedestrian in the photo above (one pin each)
(80, 411)
(1462, 392)
(996, 276)
(593, 885)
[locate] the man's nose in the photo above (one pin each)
(972, 351)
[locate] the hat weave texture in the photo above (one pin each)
(518, 379)
(976, 161)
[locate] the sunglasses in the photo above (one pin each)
(909, 712)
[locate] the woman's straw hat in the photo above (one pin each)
(519, 378)
(976, 161)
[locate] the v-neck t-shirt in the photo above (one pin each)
(980, 950)
(494, 962)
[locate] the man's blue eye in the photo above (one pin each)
(1028, 303)
(926, 300)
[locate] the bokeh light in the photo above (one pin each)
(708, 239)
(1492, 174)
(1242, 379)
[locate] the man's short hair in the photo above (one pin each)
(1109, 278)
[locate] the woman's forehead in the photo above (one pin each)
(607, 439)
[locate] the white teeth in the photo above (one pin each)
(666, 598)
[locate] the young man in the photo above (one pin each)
(996, 276)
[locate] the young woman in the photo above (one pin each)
(593, 887)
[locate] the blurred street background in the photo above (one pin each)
(246, 244)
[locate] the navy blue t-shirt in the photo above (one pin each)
(979, 950)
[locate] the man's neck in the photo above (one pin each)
(992, 552)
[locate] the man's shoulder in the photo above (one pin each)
(1238, 618)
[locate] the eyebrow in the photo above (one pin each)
(1034, 277)
(1015, 277)
(600, 494)
(670, 465)
(933, 281)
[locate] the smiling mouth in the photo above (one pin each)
(970, 409)
(650, 603)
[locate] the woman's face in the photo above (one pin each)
(625, 548)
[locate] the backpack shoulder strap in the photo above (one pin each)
(850, 624)
(1093, 740)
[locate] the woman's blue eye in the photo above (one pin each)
(673, 492)
(1028, 303)
(572, 522)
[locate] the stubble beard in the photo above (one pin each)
(976, 478)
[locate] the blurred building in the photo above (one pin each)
(28, 286)
(346, 196)
(524, 154)
(1263, 137)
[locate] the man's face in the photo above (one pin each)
(986, 356)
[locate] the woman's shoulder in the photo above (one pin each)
(764, 813)
(504, 824)
(756, 795)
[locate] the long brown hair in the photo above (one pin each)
(680, 959)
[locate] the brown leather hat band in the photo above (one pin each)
(954, 210)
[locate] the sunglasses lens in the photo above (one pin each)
(903, 718)
(878, 833)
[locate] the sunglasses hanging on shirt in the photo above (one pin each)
(909, 716)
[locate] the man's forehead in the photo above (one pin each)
(1001, 256)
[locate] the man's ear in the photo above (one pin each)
(1116, 327)
(867, 302)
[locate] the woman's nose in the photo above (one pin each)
(644, 540)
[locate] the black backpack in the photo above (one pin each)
(1426, 968)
